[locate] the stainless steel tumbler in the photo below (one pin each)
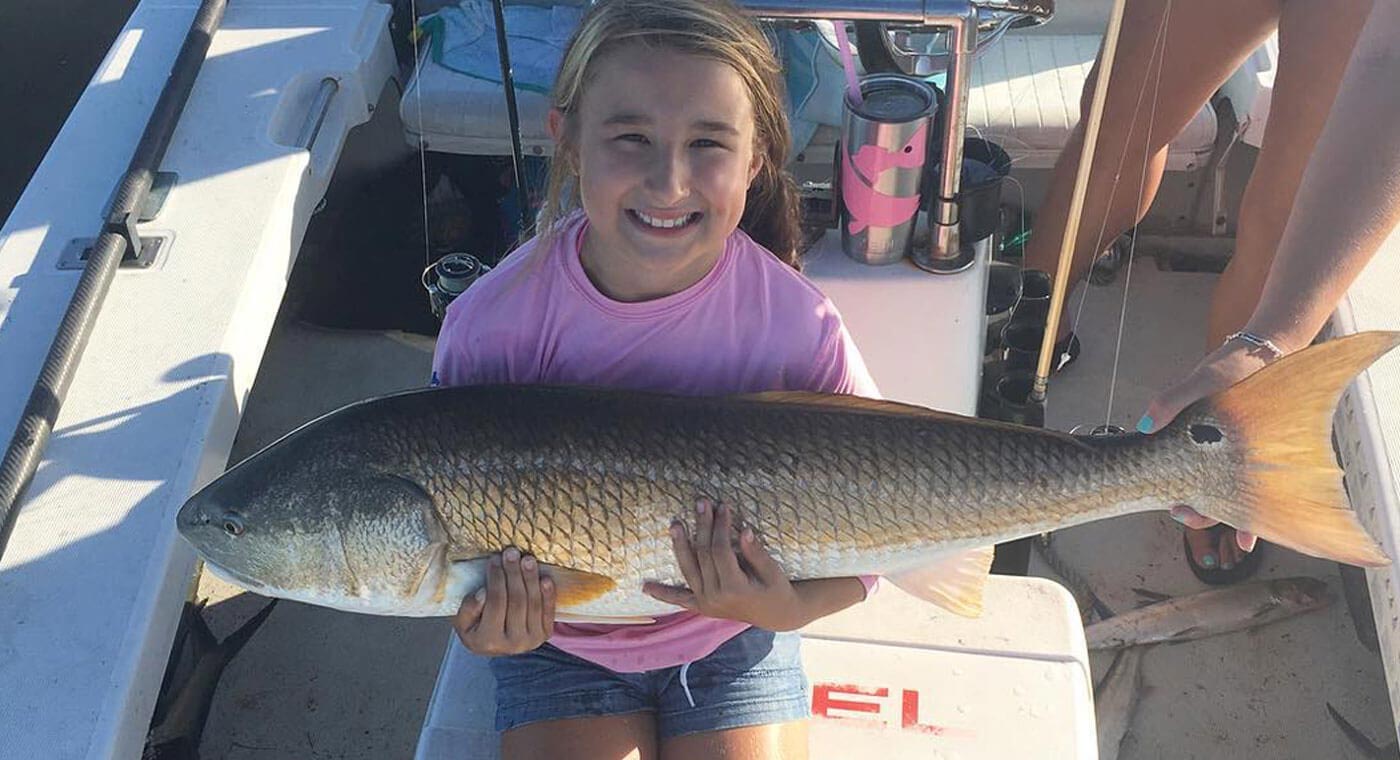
(884, 144)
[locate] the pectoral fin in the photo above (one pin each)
(575, 587)
(953, 582)
(571, 587)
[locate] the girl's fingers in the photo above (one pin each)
(765, 569)
(722, 550)
(493, 616)
(517, 607)
(704, 531)
(469, 614)
(547, 600)
(534, 603)
(685, 555)
(670, 594)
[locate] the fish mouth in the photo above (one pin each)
(233, 576)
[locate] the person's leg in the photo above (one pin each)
(747, 699)
(1315, 44)
(550, 704)
(1205, 42)
(615, 737)
(781, 741)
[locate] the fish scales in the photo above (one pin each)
(817, 484)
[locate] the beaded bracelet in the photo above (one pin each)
(1257, 342)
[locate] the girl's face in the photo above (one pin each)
(665, 145)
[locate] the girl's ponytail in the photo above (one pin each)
(772, 213)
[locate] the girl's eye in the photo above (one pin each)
(707, 143)
(632, 137)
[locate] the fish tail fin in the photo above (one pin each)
(1290, 491)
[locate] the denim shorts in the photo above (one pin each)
(753, 679)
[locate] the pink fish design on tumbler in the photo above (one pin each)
(867, 206)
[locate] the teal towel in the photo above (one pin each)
(463, 38)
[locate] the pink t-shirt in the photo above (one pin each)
(752, 324)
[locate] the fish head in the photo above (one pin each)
(294, 521)
(1302, 592)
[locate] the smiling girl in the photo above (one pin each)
(665, 261)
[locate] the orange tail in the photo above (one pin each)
(1291, 489)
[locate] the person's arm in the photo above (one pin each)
(1349, 199)
(1347, 204)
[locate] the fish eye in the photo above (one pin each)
(1201, 433)
(233, 524)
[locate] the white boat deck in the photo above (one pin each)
(94, 576)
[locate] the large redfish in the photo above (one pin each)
(392, 505)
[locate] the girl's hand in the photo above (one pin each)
(758, 593)
(513, 614)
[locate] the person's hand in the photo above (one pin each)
(758, 592)
(1221, 369)
(514, 613)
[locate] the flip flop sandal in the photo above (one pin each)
(1216, 576)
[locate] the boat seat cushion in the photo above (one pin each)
(1025, 95)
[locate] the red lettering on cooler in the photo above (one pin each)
(823, 703)
(909, 716)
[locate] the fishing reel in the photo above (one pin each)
(448, 277)
(1098, 431)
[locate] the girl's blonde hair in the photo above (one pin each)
(714, 29)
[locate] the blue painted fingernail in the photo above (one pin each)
(1208, 561)
(1228, 566)
(1177, 515)
(1145, 424)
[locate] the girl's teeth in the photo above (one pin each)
(665, 223)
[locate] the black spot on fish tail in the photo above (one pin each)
(1202, 433)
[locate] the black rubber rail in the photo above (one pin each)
(118, 236)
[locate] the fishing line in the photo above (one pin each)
(1142, 183)
(1118, 174)
(418, 102)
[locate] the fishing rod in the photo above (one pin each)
(1060, 283)
(118, 241)
(522, 197)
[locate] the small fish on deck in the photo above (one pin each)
(1210, 613)
(394, 505)
(1116, 699)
